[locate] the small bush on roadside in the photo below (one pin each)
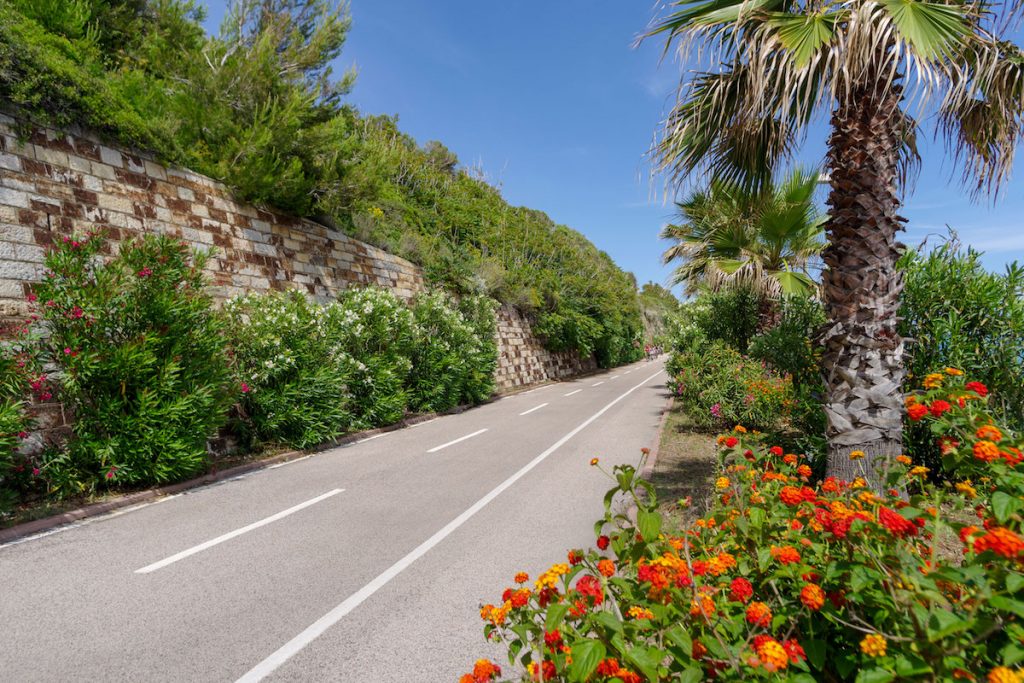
(788, 347)
(480, 312)
(718, 386)
(20, 377)
(729, 316)
(141, 358)
(375, 328)
(959, 314)
(292, 372)
(452, 364)
(794, 582)
(567, 331)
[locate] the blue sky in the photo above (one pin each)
(550, 98)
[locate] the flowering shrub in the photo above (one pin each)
(293, 371)
(375, 328)
(454, 358)
(311, 372)
(717, 386)
(794, 581)
(141, 360)
(19, 369)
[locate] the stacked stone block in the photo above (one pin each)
(522, 358)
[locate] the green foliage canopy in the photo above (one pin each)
(258, 107)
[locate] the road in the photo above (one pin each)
(365, 563)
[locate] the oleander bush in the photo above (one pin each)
(717, 386)
(959, 314)
(311, 372)
(375, 328)
(21, 377)
(292, 369)
(453, 358)
(141, 361)
(481, 314)
(788, 580)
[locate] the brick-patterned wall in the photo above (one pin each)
(523, 360)
(55, 183)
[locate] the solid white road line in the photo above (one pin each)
(232, 534)
(370, 438)
(574, 392)
(527, 412)
(435, 449)
(597, 384)
(317, 628)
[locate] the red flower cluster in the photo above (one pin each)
(1001, 541)
(895, 523)
(740, 590)
(484, 671)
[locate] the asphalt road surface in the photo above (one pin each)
(366, 563)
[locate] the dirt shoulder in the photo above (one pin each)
(684, 468)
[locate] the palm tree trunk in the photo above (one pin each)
(863, 356)
(768, 314)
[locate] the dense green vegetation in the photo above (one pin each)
(258, 107)
(151, 369)
(956, 313)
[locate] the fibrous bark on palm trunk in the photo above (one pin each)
(863, 355)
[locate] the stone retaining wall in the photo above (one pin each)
(523, 360)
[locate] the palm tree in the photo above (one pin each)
(731, 237)
(765, 68)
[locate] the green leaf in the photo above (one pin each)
(803, 34)
(649, 524)
(556, 613)
(815, 650)
(647, 660)
(1012, 654)
(586, 655)
(691, 675)
(942, 623)
(874, 676)
(678, 636)
(609, 621)
(1007, 605)
(757, 517)
(793, 282)
(1004, 505)
(933, 29)
(909, 665)
(1014, 582)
